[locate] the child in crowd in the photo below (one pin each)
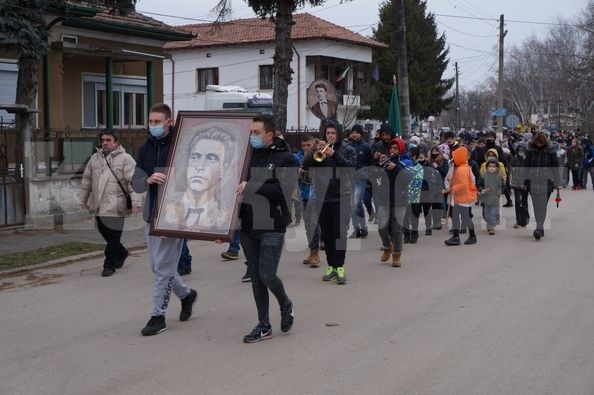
(491, 187)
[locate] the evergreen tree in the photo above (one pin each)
(427, 61)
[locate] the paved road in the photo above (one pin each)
(507, 316)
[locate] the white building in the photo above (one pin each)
(240, 52)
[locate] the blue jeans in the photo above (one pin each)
(491, 213)
(234, 244)
(263, 251)
(185, 260)
(357, 209)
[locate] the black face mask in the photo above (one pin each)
(434, 155)
(490, 143)
(422, 162)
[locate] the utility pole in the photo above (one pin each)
(402, 67)
(502, 34)
(457, 99)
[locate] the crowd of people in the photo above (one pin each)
(329, 184)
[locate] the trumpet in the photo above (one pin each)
(320, 155)
(385, 161)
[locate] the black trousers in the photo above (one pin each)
(111, 229)
(334, 223)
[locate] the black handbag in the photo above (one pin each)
(126, 193)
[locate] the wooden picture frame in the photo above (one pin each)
(208, 158)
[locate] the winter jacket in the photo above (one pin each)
(433, 183)
(271, 179)
(575, 157)
(391, 187)
(152, 158)
(502, 170)
(540, 173)
(491, 185)
(461, 183)
(99, 189)
(333, 176)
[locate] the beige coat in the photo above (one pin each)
(100, 191)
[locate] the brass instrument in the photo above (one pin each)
(385, 161)
(305, 176)
(320, 155)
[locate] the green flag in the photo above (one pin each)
(394, 114)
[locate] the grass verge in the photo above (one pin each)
(22, 259)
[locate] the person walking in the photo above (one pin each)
(540, 178)
(364, 157)
(307, 194)
(163, 252)
(490, 188)
(392, 200)
(333, 177)
(105, 190)
(461, 184)
(265, 215)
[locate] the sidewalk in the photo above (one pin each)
(22, 240)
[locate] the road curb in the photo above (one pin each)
(62, 261)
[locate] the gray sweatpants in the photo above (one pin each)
(164, 253)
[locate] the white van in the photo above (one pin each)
(236, 98)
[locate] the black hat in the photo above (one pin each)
(357, 128)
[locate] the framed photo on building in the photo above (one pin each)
(208, 158)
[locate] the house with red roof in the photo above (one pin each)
(103, 70)
(240, 53)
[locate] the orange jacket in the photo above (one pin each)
(461, 185)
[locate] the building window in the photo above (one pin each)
(129, 102)
(207, 77)
(266, 76)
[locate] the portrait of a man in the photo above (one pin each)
(322, 99)
(208, 158)
(210, 154)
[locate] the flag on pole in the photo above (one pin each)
(394, 114)
(343, 74)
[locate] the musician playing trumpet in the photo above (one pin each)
(392, 199)
(332, 178)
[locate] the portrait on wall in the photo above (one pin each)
(207, 160)
(322, 99)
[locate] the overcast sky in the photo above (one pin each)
(471, 26)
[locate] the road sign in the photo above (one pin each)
(499, 112)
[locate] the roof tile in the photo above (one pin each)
(258, 30)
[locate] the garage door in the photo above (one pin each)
(8, 81)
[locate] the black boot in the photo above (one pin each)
(414, 236)
(406, 234)
(454, 240)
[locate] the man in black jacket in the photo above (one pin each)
(163, 252)
(264, 217)
(333, 178)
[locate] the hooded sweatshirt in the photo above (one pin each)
(333, 175)
(492, 185)
(502, 170)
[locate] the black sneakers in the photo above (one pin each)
(154, 326)
(108, 271)
(186, 305)
(287, 316)
(260, 332)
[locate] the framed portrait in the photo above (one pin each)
(208, 158)
(322, 99)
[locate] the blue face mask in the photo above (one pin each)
(156, 131)
(256, 142)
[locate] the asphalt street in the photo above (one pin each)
(509, 315)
